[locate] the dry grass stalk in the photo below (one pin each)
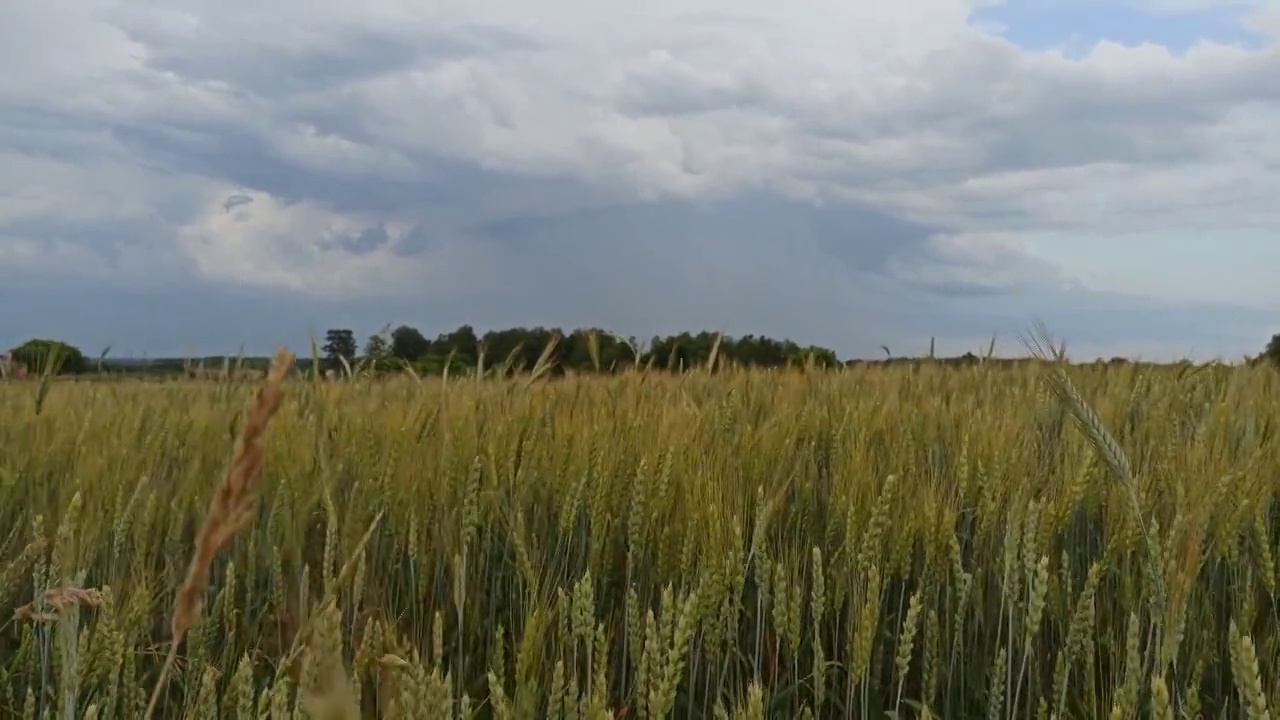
(58, 599)
(229, 511)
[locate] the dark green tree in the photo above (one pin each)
(53, 356)
(461, 344)
(1272, 353)
(586, 350)
(409, 344)
(339, 343)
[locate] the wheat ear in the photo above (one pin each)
(229, 511)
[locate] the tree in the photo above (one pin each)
(376, 348)
(1272, 353)
(409, 344)
(585, 350)
(339, 345)
(461, 343)
(53, 356)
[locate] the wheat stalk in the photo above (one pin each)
(229, 511)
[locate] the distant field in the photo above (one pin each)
(963, 542)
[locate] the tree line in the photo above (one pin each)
(581, 350)
(516, 349)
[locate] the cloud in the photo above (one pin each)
(842, 174)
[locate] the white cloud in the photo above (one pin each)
(1265, 20)
(250, 239)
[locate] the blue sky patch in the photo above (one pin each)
(1074, 26)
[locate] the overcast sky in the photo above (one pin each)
(188, 176)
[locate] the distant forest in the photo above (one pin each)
(582, 350)
(511, 350)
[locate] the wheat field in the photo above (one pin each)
(1037, 541)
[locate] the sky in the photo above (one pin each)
(191, 177)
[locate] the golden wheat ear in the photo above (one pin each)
(229, 510)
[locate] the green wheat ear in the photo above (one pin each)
(49, 369)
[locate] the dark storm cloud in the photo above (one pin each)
(176, 321)
(244, 157)
(236, 201)
(301, 60)
(756, 263)
(434, 187)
